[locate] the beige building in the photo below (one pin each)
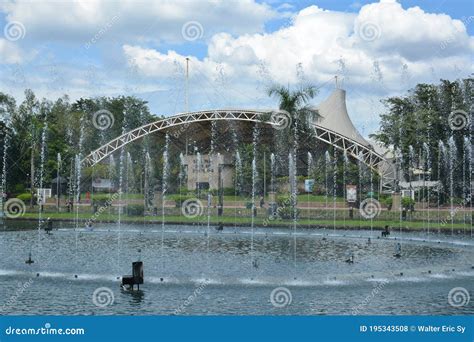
(204, 171)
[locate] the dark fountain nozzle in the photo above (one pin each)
(29, 261)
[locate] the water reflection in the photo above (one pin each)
(136, 297)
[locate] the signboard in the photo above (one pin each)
(43, 193)
(408, 193)
(351, 193)
(308, 185)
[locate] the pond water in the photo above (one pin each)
(196, 270)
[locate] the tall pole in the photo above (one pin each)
(186, 100)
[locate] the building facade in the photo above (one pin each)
(205, 172)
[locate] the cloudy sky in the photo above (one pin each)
(235, 49)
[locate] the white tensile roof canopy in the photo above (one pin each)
(334, 117)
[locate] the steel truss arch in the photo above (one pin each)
(366, 155)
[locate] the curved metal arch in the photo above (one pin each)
(372, 159)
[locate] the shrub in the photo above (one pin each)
(283, 201)
(101, 197)
(408, 203)
(287, 212)
(135, 210)
(387, 202)
(183, 190)
(228, 191)
(25, 197)
(19, 189)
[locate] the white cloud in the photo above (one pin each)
(318, 39)
(412, 33)
(406, 47)
(10, 53)
(382, 50)
(157, 20)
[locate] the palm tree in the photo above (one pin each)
(301, 115)
(295, 103)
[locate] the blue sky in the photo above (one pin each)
(236, 49)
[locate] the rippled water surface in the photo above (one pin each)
(196, 270)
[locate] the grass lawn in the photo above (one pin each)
(246, 220)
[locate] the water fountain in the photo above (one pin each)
(3, 187)
(345, 163)
(334, 188)
(310, 172)
(327, 164)
(441, 170)
(279, 252)
(468, 156)
(164, 189)
(452, 159)
(427, 177)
